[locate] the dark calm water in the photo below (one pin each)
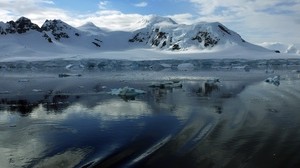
(47, 121)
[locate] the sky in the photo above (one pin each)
(256, 21)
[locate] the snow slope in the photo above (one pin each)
(165, 33)
(155, 38)
(283, 48)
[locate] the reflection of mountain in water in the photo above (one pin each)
(54, 103)
(57, 101)
(233, 123)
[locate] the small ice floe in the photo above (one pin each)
(186, 67)
(245, 68)
(273, 80)
(166, 65)
(63, 75)
(295, 71)
(127, 92)
(168, 84)
(37, 90)
(75, 67)
(23, 80)
(4, 92)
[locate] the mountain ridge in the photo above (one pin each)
(154, 32)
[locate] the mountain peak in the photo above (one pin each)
(23, 19)
(88, 24)
(91, 28)
(152, 20)
(58, 29)
(55, 24)
(22, 25)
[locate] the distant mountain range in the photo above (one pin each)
(283, 48)
(162, 33)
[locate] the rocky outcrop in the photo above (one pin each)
(22, 25)
(207, 39)
(57, 28)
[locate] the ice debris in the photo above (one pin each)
(4, 92)
(127, 91)
(273, 80)
(75, 67)
(295, 71)
(168, 84)
(37, 90)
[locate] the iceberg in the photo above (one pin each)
(273, 80)
(127, 92)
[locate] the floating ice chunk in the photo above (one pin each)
(168, 84)
(244, 67)
(295, 71)
(166, 65)
(37, 90)
(186, 67)
(4, 92)
(126, 91)
(75, 67)
(274, 80)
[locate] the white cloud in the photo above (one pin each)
(141, 4)
(48, 2)
(257, 21)
(103, 4)
(36, 10)
(39, 10)
(109, 19)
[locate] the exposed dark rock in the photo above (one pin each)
(56, 27)
(96, 44)
(47, 38)
(209, 41)
(158, 38)
(164, 44)
(76, 34)
(176, 47)
(224, 29)
(139, 37)
(2, 31)
(98, 40)
(11, 27)
(277, 51)
(22, 25)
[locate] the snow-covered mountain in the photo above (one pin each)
(165, 33)
(52, 35)
(22, 37)
(281, 47)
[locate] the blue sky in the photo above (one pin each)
(158, 7)
(255, 20)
